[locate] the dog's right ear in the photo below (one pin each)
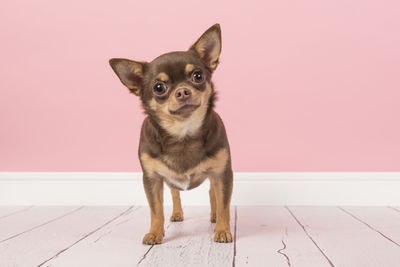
(129, 72)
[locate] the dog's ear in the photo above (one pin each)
(208, 46)
(129, 72)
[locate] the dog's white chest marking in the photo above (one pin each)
(210, 166)
(182, 184)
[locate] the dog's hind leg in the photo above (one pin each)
(213, 215)
(177, 212)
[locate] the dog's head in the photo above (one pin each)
(175, 88)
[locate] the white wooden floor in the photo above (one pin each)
(263, 236)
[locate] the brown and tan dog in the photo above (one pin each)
(183, 140)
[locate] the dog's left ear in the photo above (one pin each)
(208, 46)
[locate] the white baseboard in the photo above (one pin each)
(268, 188)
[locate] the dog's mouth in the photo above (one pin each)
(185, 110)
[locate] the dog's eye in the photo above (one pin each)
(159, 88)
(197, 76)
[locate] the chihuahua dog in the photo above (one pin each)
(183, 140)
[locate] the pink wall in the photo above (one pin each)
(303, 85)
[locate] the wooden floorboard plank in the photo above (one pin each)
(383, 220)
(117, 244)
(190, 243)
(269, 236)
(30, 220)
(344, 240)
(265, 236)
(36, 247)
(7, 211)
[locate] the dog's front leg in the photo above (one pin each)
(153, 187)
(222, 186)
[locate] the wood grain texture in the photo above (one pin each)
(190, 243)
(6, 211)
(395, 209)
(383, 220)
(117, 244)
(37, 246)
(344, 240)
(270, 235)
(34, 218)
(264, 236)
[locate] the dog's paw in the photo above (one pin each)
(153, 238)
(223, 237)
(213, 217)
(176, 216)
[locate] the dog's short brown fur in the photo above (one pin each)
(183, 140)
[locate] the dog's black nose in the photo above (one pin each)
(182, 94)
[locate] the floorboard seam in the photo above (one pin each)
(116, 225)
(42, 224)
(16, 212)
(369, 226)
(166, 229)
(234, 239)
(86, 236)
(393, 208)
(144, 256)
(309, 236)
